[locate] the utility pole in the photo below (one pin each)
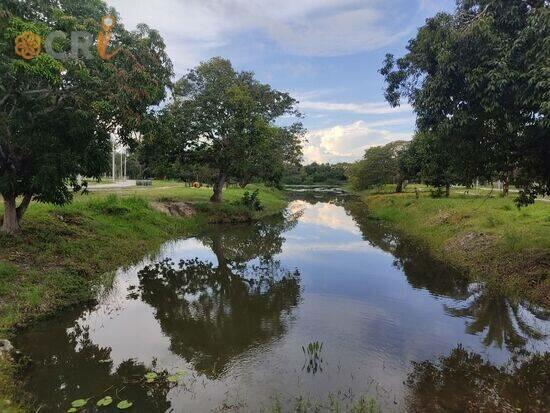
(121, 166)
(114, 162)
(125, 158)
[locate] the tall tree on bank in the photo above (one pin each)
(478, 80)
(226, 119)
(425, 160)
(379, 166)
(57, 116)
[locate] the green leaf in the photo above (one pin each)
(79, 403)
(106, 401)
(151, 375)
(173, 379)
(124, 404)
(72, 410)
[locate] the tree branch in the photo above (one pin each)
(22, 208)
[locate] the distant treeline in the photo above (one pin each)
(316, 173)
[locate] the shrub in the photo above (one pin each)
(111, 205)
(251, 201)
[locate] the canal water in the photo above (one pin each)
(318, 308)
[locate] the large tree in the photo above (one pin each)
(57, 117)
(226, 120)
(379, 166)
(424, 159)
(478, 80)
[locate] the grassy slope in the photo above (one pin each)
(487, 236)
(64, 251)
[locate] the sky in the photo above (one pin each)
(325, 53)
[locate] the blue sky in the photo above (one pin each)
(326, 53)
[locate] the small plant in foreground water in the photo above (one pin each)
(313, 353)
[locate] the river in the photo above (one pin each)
(319, 307)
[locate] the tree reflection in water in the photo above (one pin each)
(464, 382)
(214, 313)
(504, 320)
(422, 272)
(211, 313)
(67, 365)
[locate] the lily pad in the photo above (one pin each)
(151, 376)
(79, 403)
(173, 379)
(124, 404)
(106, 401)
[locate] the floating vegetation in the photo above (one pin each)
(106, 401)
(124, 404)
(151, 377)
(313, 357)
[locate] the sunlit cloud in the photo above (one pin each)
(347, 143)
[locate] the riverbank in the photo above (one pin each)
(64, 253)
(488, 237)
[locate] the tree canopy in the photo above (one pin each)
(478, 81)
(315, 173)
(225, 119)
(57, 117)
(379, 166)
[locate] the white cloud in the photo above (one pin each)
(194, 28)
(347, 143)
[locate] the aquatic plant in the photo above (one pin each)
(313, 357)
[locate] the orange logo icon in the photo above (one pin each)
(28, 45)
(104, 38)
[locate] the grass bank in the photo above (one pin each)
(486, 236)
(62, 253)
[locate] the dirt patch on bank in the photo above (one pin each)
(174, 209)
(471, 242)
(448, 218)
(527, 270)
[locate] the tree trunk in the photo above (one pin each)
(399, 188)
(10, 223)
(22, 208)
(218, 188)
(447, 190)
(506, 186)
(243, 183)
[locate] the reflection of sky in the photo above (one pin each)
(355, 301)
(326, 216)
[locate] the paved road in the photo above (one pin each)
(117, 185)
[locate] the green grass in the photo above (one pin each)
(62, 253)
(487, 236)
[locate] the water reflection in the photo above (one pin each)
(66, 365)
(464, 382)
(500, 320)
(212, 314)
(421, 271)
(238, 306)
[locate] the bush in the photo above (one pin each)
(437, 192)
(251, 201)
(111, 205)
